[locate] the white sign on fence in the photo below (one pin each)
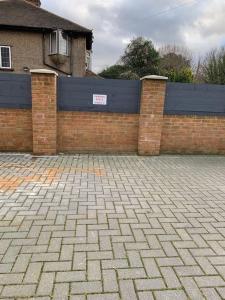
(100, 99)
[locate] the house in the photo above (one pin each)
(31, 38)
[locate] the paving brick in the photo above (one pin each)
(79, 261)
(149, 284)
(191, 288)
(211, 294)
(43, 257)
(94, 270)
(169, 262)
(18, 291)
(145, 296)
(210, 281)
(54, 245)
(6, 279)
(188, 271)
(33, 273)
(127, 290)
(5, 268)
(66, 252)
(21, 263)
(134, 259)
(104, 297)
(70, 276)
(61, 291)
(151, 268)
(143, 229)
(131, 273)
(100, 255)
(57, 266)
(45, 286)
(86, 287)
(77, 297)
(170, 295)
(110, 283)
(115, 264)
(170, 278)
(11, 254)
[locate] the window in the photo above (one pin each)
(53, 42)
(5, 57)
(63, 43)
(88, 60)
(59, 43)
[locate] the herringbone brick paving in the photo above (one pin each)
(91, 227)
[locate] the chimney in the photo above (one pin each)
(35, 2)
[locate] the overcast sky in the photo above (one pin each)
(198, 24)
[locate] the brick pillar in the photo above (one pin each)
(151, 114)
(44, 112)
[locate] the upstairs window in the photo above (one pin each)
(59, 43)
(88, 60)
(5, 57)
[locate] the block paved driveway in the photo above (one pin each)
(112, 227)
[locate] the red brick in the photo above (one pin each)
(44, 113)
(151, 116)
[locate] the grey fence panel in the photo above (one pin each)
(15, 91)
(195, 99)
(76, 94)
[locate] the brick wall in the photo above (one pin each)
(193, 135)
(44, 130)
(44, 112)
(151, 115)
(97, 132)
(15, 130)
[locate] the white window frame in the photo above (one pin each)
(58, 32)
(10, 58)
(51, 52)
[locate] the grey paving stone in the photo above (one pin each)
(33, 273)
(6, 279)
(127, 290)
(45, 285)
(86, 287)
(110, 282)
(146, 228)
(210, 281)
(149, 284)
(170, 295)
(131, 273)
(170, 277)
(70, 276)
(145, 296)
(94, 270)
(104, 297)
(18, 291)
(151, 268)
(211, 294)
(191, 288)
(57, 266)
(61, 291)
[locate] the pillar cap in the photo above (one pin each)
(43, 71)
(154, 77)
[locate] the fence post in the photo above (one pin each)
(44, 111)
(151, 114)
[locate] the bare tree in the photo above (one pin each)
(214, 67)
